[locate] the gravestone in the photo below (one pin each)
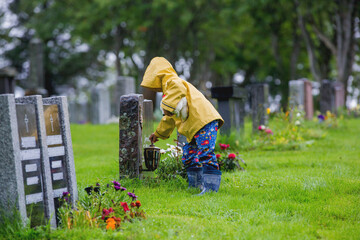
(231, 106)
(339, 95)
(35, 159)
(300, 96)
(148, 124)
(259, 94)
(124, 85)
(60, 151)
(36, 81)
(36, 156)
(7, 80)
(332, 96)
(130, 135)
(11, 173)
(100, 104)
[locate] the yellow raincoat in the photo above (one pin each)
(160, 76)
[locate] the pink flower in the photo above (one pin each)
(232, 156)
(224, 146)
(268, 131)
(218, 156)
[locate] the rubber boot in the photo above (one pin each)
(195, 178)
(211, 183)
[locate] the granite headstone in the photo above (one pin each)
(130, 135)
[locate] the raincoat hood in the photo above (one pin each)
(157, 74)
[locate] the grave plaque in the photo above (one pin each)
(59, 144)
(35, 160)
(259, 94)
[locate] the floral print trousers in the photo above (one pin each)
(200, 151)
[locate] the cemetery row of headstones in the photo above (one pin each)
(36, 161)
(103, 103)
(231, 102)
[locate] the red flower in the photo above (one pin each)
(218, 156)
(232, 156)
(132, 204)
(224, 146)
(138, 204)
(205, 142)
(125, 206)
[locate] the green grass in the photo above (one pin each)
(312, 193)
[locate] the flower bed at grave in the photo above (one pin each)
(288, 131)
(228, 160)
(104, 206)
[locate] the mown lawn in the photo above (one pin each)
(305, 194)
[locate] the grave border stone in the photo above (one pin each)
(13, 192)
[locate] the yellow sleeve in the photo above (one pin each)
(174, 92)
(165, 127)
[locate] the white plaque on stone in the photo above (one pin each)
(30, 154)
(56, 164)
(28, 142)
(59, 192)
(32, 180)
(34, 198)
(30, 167)
(56, 151)
(54, 140)
(58, 176)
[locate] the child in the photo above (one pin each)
(194, 116)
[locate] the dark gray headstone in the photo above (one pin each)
(60, 150)
(36, 81)
(35, 160)
(7, 80)
(231, 106)
(327, 100)
(11, 174)
(130, 136)
(259, 94)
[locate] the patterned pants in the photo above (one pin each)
(200, 151)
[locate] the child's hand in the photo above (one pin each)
(153, 138)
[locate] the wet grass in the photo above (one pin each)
(313, 193)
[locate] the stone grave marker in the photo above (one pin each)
(259, 94)
(100, 104)
(36, 156)
(36, 80)
(130, 135)
(231, 106)
(35, 160)
(124, 85)
(300, 96)
(7, 80)
(60, 151)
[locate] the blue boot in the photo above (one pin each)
(195, 178)
(211, 183)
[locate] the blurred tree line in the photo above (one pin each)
(264, 40)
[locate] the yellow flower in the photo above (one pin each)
(268, 110)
